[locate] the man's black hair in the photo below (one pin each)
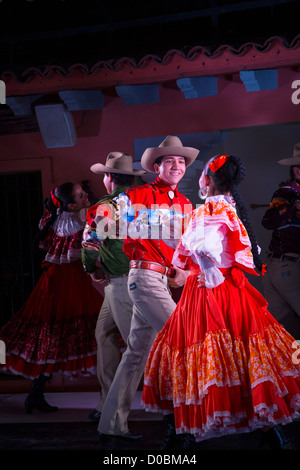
(122, 180)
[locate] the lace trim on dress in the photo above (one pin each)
(66, 240)
(223, 362)
(212, 224)
(68, 223)
(221, 424)
(52, 346)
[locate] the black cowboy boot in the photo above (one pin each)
(172, 440)
(36, 399)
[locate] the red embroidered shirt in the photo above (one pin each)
(148, 208)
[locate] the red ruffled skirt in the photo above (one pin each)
(55, 330)
(222, 363)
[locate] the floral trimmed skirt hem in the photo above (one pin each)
(55, 330)
(68, 348)
(222, 364)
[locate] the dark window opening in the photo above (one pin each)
(20, 264)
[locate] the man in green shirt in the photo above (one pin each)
(104, 258)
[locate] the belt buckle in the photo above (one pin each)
(134, 264)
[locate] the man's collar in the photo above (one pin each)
(118, 190)
(163, 187)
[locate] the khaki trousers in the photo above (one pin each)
(114, 318)
(153, 305)
(282, 291)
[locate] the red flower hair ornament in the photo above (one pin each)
(218, 162)
(54, 199)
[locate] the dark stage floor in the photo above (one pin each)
(83, 436)
(70, 431)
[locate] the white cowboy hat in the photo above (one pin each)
(295, 159)
(170, 146)
(117, 162)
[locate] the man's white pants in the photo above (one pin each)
(153, 305)
(114, 319)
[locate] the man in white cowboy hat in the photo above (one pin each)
(104, 258)
(282, 280)
(151, 273)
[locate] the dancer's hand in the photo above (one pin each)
(180, 277)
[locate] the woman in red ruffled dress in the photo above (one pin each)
(55, 329)
(222, 364)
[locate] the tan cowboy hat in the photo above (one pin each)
(117, 162)
(295, 159)
(171, 145)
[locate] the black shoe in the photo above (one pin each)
(127, 436)
(180, 442)
(277, 439)
(39, 403)
(173, 441)
(95, 416)
(36, 399)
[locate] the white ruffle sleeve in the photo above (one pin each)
(205, 246)
(215, 239)
(210, 275)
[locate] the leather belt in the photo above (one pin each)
(158, 268)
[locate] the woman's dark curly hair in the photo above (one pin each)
(65, 195)
(227, 178)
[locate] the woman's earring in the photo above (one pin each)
(201, 191)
